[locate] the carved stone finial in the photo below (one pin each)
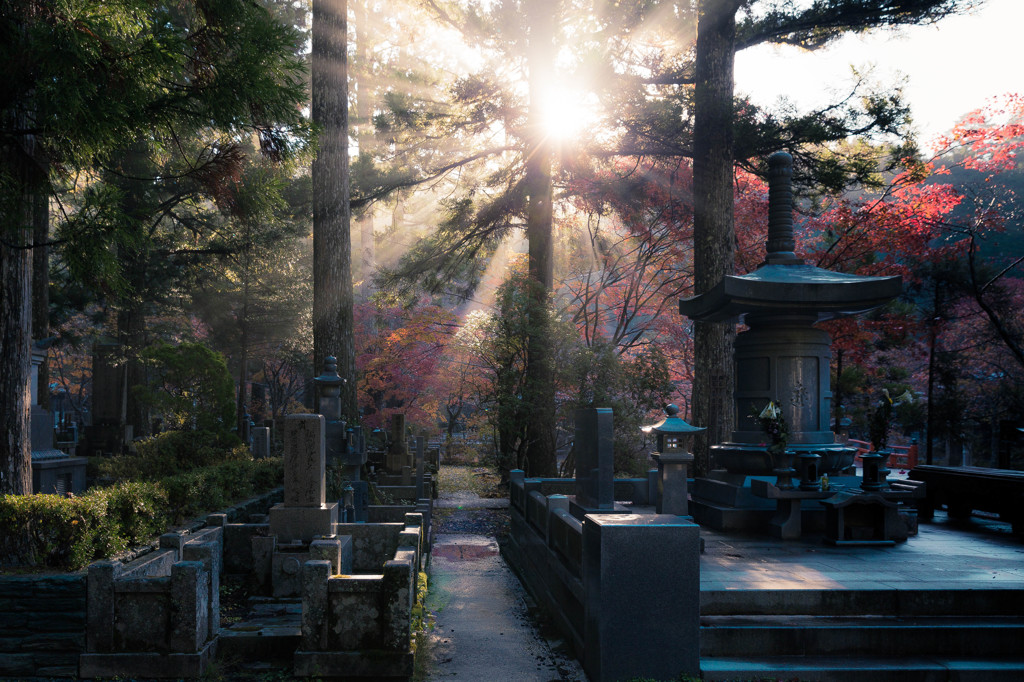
(781, 245)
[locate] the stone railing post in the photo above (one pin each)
(189, 614)
(641, 623)
(315, 605)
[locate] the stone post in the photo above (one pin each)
(595, 459)
(315, 605)
(421, 445)
(190, 583)
(260, 442)
(621, 590)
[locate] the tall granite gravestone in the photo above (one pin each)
(595, 460)
(304, 513)
(108, 432)
(398, 450)
(260, 442)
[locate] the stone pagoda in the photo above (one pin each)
(782, 357)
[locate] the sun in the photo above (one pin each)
(569, 114)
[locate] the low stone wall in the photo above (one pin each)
(361, 625)
(159, 615)
(42, 625)
(43, 617)
(637, 491)
(611, 582)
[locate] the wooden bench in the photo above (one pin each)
(962, 490)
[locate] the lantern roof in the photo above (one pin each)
(784, 285)
(671, 424)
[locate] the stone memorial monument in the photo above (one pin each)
(782, 357)
(305, 512)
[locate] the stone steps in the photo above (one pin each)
(862, 669)
(853, 635)
(879, 602)
(271, 631)
(862, 636)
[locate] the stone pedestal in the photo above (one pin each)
(673, 493)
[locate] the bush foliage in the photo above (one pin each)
(69, 532)
(170, 453)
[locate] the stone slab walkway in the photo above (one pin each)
(482, 629)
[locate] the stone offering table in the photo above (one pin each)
(852, 515)
(788, 520)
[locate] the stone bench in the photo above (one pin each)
(965, 489)
(156, 616)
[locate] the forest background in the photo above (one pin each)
(196, 237)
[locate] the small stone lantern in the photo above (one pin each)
(673, 460)
(328, 387)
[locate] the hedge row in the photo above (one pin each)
(169, 453)
(70, 532)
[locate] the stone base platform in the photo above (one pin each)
(154, 665)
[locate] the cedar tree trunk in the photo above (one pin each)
(332, 247)
(539, 381)
(713, 231)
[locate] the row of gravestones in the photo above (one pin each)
(158, 616)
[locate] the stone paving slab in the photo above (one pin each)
(481, 626)
(975, 554)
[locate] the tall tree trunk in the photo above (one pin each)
(16, 312)
(131, 313)
(241, 418)
(365, 139)
(713, 230)
(540, 389)
(15, 363)
(332, 246)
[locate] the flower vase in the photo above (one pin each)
(784, 470)
(875, 470)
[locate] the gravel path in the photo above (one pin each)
(481, 624)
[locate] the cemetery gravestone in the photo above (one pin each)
(595, 459)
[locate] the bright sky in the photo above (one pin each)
(950, 68)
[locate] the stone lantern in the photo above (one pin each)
(328, 386)
(342, 441)
(673, 460)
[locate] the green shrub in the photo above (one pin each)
(70, 532)
(201, 490)
(171, 453)
(138, 509)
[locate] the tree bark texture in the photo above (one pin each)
(713, 229)
(365, 139)
(16, 318)
(131, 308)
(15, 365)
(539, 380)
(332, 246)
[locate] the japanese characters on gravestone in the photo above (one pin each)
(304, 512)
